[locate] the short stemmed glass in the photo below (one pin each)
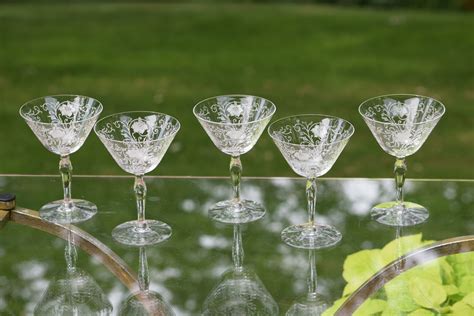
(62, 124)
(401, 123)
(234, 123)
(138, 141)
(311, 144)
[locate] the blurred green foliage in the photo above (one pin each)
(305, 58)
(387, 4)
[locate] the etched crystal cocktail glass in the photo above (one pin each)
(138, 141)
(401, 123)
(234, 123)
(62, 124)
(311, 144)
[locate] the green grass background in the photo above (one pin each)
(305, 58)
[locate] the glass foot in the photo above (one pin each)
(236, 212)
(60, 213)
(392, 214)
(311, 304)
(130, 234)
(311, 236)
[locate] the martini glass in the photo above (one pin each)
(313, 303)
(311, 144)
(401, 123)
(234, 123)
(62, 124)
(73, 292)
(138, 141)
(144, 302)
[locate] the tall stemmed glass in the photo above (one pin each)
(311, 144)
(234, 123)
(401, 123)
(138, 141)
(62, 124)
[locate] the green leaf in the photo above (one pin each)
(400, 246)
(371, 307)
(466, 285)
(451, 289)
(463, 265)
(469, 299)
(430, 271)
(427, 293)
(390, 311)
(332, 310)
(398, 296)
(421, 312)
(447, 271)
(350, 288)
(461, 309)
(359, 267)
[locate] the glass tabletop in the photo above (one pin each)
(187, 269)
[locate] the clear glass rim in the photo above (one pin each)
(400, 95)
(307, 115)
(100, 107)
(135, 142)
(273, 110)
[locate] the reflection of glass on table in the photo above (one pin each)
(199, 251)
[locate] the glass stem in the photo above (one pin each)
(400, 169)
(311, 196)
(65, 169)
(235, 174)
(313, 276)
(143, 274)
(70, 252)
(398, 236)
(140, 195)
(237, 248)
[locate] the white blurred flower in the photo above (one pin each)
(399, 110)
(403, 137)
(139, 126)
(235, 134)
(137, 154)
(69, 108)
(235, 109)
(302, 155)
(56, 132)
(63, 135)
(321, 129)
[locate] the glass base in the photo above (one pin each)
(60, 213)
(236, 212)
(311, 236)
(311, 304)
(392, 214)
(130, 234)
(145, 303)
